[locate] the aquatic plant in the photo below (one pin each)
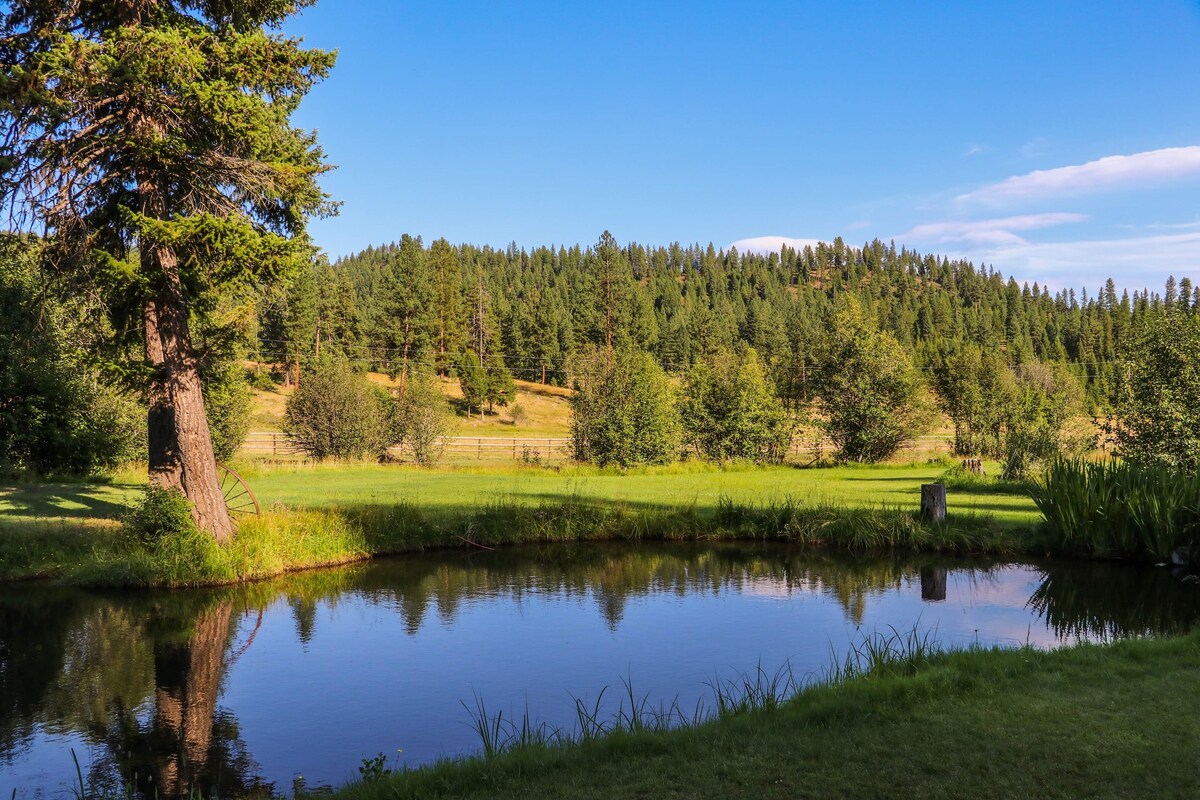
(1120, 510)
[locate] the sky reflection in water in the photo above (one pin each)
(249, 688)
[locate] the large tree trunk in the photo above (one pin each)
(166, 471)
(193, 442)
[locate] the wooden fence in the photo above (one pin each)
(454, 448)
(534, 449)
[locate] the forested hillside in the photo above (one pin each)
(442, 305)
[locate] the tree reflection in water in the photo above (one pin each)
(139, 676)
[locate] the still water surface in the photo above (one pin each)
(300, 679)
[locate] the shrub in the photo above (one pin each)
(870, 394)
(337, 413)
(1159, 398)
(227, 405)
(1047, 398)
(420, 419)
(730, 410)
(623, 411)
(161, 513)
(56, 414)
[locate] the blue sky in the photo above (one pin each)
(1059, 142)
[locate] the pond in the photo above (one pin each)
(296, 681)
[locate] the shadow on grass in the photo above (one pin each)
(61, 500)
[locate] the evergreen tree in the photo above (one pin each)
(446, 273)
(407, 323)
(151, 142)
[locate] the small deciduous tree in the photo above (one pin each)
(869, 393)
(730, 410)
(977, 391)
(227, 403)
(56, 414)
(421, 418)
(624, 410)
(1047, 401)
(1159, 398)
(337, 413)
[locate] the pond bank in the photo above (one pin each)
(284, 541)
(1114, 720)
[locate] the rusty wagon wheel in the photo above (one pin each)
(240, 501)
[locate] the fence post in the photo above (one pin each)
(479, 453)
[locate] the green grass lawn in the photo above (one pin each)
(352, 511)
(441, 492)
(1096, 721)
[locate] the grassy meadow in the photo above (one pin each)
(333, 513)
(349, 511)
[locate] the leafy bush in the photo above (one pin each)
(730, 410)
(227, 405)
(623, 411)
(870, 394)
(337, 413)
(1159, 400)
(420, 419)
(161, 513)
(56, 414)
(1047, 399)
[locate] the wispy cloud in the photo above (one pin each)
(1038, 146)
(975, 149)
(1104, 174)
(772, 244)
(1001, 231)
(1136, 261)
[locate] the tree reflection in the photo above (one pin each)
(1111, 601)
(140, 675)
(184, 744)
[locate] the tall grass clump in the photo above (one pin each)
(874, 655)
(160, 545)
(1120, 510)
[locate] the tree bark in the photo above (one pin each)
(166, 471)
(193, 441)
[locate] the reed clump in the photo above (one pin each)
(1120, 510)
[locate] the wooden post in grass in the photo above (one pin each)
(933, 502)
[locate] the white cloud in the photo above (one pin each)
(987, 231)
(771, 244)
(974, 150)
(1104, 174)
(1135, 262)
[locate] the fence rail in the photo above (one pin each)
(542, 448)
(481, 448)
